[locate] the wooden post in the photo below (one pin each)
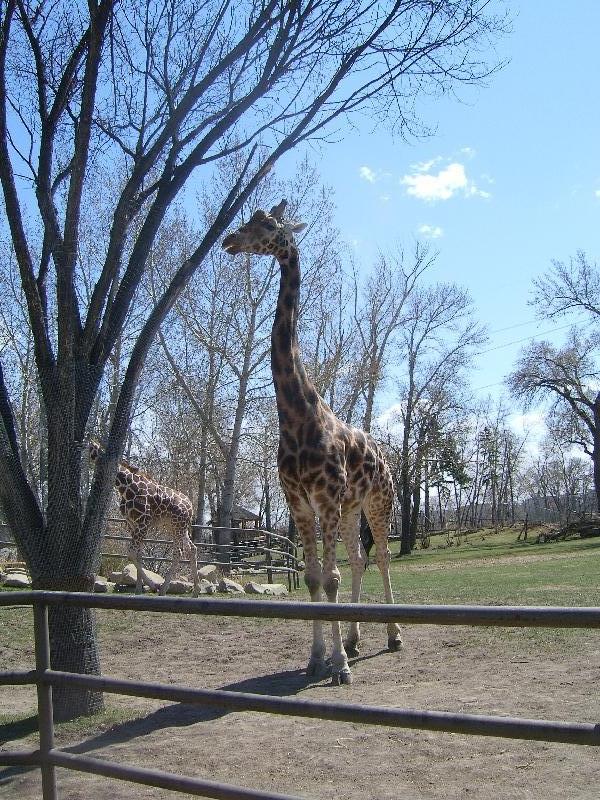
(44, 695)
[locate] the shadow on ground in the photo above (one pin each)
(282, 684)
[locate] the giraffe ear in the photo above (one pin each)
(298, 226)
(277, 211)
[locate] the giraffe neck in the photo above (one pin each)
(294, 391)
(123, 479)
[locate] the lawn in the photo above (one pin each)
(496, 569)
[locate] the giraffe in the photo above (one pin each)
(144, 502)
(327, 469)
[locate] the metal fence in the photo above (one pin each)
(48, 757)
(250, 550)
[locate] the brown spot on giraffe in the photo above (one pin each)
(332, 469)
(144, 503)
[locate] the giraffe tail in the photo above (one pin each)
(366, 536)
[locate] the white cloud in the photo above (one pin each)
(449, 181)
(431, 231)
(425, 166)
(597, 192)
(391, 419)
(367, 174)
(469, 152)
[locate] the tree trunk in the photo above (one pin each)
(197, 532)
(405, 497)
(68, 564)
(596, 450)
(73, 647)
(228, 494)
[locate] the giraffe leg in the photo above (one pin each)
(190, 551)
(138, 529)
(330, 525)
(193, 556)
(350, 535)
(378, 509)
(178, 550)
(135, 554)
(304, 518)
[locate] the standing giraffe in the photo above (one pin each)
(144, 502)
(326, 467)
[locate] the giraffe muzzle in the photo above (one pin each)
(231, 244)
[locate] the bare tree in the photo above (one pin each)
(555, 484)
(439, 343)
(156, 90)
(568, 287)
(568, 377)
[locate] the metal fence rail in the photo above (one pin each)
(48, 757)
(279, 553)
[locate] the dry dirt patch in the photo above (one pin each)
(552, 675)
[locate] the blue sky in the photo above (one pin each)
(510, 180)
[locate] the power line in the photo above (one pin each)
(528, 322)
(529, 338)
(520, 341)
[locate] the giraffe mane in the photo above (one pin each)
(136, 470)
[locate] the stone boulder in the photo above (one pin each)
(254, 588)
(230, 587)
(102, 585)
(180, 586)
(206, 587)
(17, 579)
(208, 571)
(276, 589)
(128, 577)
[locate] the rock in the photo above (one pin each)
(210, 589)
(180, 586)
(208, 571)
(8, 554)
(123, 588)
(206, 587)
(17, 580)
(254, 588)
(128, 577)
(276, 589)
(230, 587)
(102, 585)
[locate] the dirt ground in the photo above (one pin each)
(538, 674)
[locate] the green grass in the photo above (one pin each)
(496, 569)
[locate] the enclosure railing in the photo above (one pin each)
(279, 553)
(48, 757)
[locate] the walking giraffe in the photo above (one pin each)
(326, 468)
(143, 503)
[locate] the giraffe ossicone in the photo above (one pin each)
(144, 503)
(327, 468)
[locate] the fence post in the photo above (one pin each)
(268, 558)
(44, 697)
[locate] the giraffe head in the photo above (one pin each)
(263, 234)
(95, 449)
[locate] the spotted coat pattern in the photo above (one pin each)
(327, 469)
(144, 503)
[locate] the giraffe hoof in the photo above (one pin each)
(394, 643)
(352, 649)
(341, 678)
